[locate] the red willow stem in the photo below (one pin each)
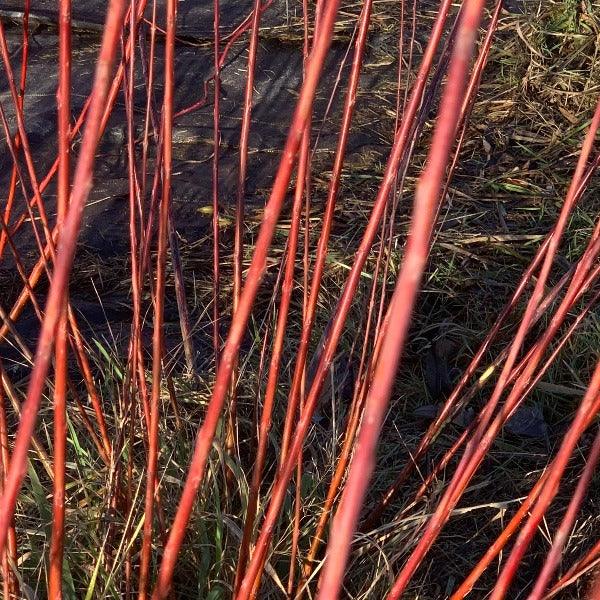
(302, 191)
(146, 232)
(133, 385)
(32, 280)
(154, 197)
(570, 299)
(15, 252)
(240, 319)
(264, 328)
(399, 149)
(109, 104)
(9, 581)
(427, 197)
(566, 526)
(451, 404)
(483, 437)
(61, 354)
(134, 202)
(64, 260)
(182, 307)
(35, 442)
(337, 323)
(400, 176)
(84, 365)
(13, 154)
(112, 95)
(495, 549)
(144, 261)
(588, 562)
(355, 414)
(81, 356)
(426, 107)
(517, 371)
(17, 103)
(588, 407)
(149, 114)
(42, 264)
(59, 459)
(9, 202)
(455, 400)
(215, 196)
(231, 420)
(159, 299)
(17, 140)
(6, 571)
(361, 28)
(233, 37)
(85, 420)
(472, 87)
(501, 541)
(76, 340)
(29, 162)
(510, 529)
(238, 242)
(274, 367)
(434, 428)
(303, 177)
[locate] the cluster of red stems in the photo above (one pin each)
(450, 68)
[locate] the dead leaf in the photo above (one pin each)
(462, 419)
(528, 421)
(427, 411)
(436, 369)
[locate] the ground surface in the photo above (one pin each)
(536, 98)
